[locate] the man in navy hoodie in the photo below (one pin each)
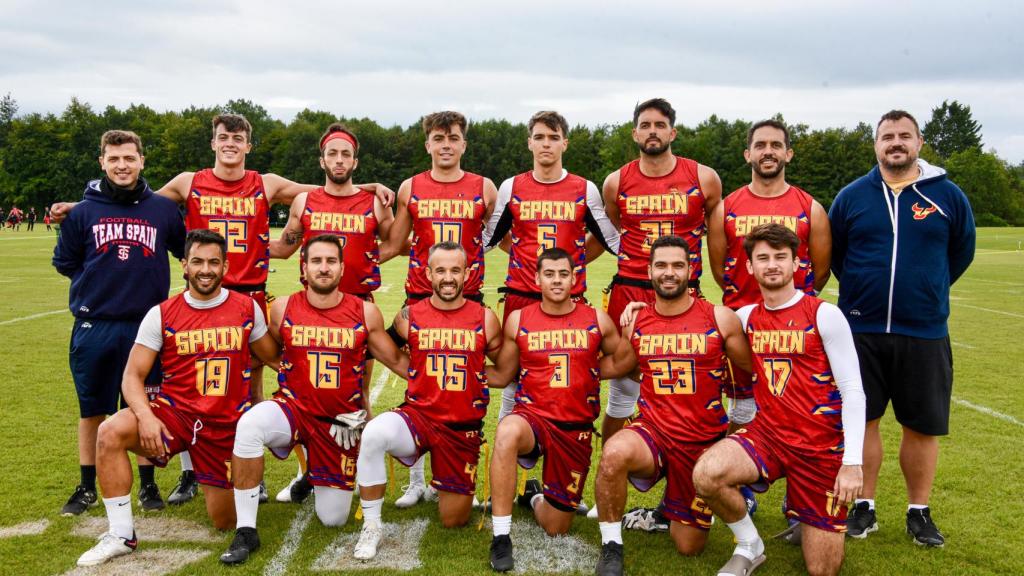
(114, 247)
(902, 234)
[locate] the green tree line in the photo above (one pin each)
(48, 157)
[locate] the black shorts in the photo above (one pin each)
(98, 354)
(915, 373)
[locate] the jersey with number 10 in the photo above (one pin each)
(237, 210)
(205, 357)
(352, 219)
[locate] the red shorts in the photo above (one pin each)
(329, 464)
(208, 444)
(810, 477)
(260, 296)
(513, 302)
(674, 461)
(566, 450)
(454, 450)
(621, 295)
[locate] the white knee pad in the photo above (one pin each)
(332, 505)
(622, 396)
(508, 400)
(262, 425)
(387, 433)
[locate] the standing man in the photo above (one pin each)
(202, 338)
(445, 404)
(554, 346)
(31, 219)
(546, 208)
(902, 234)
(680, 345)
(114, 250)
(810, 423)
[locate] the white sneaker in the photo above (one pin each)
(430, 495)
(285, 495)
(411, 496)
(592, 514)
(369, 539)
(110, 546)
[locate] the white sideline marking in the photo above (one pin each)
(149, 562)
(536, 552)
(987, 252)
(151, 529)
(43, 237)
(279, 563)
(1003, 312)
(988, 411)
(378, 386)
(991, 281)
(32, 528)
(33, 316)
(962, 345)
(399, 549)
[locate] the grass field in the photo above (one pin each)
(977, 499)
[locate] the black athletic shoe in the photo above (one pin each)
(184, 490)
(245, 543)
(80, 501)
(501, 553)
(301, 489)
(924, 531)
(149, 498)
(610, 562)
(861, 521)
(533, 488)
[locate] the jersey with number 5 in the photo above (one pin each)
(446, 362)
(682, 366)
(323, 364)
(205, 357)
(237, 210)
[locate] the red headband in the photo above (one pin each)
(339, 134)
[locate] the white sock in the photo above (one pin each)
(870, 501)
(535, 500)
(502, 525)
(372, 510)
(186, 462)
(916, 507)
(611, 532)
(119, 516)
(247, 503)
(748, 541)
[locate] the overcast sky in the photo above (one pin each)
(823, 63)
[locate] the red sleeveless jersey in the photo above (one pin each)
(559, 377)
(797, 398)
(237, 210)
(653, 207)
(324, 358)
(682, 366)
(205, 357)
(546, 215)
(745, 210)
(446, 362)
(446, 211)
(352, 219)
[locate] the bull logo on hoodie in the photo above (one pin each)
(922, 213)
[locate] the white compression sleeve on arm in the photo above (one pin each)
(842, 357)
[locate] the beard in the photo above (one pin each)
(193, 282)
(673, 294)
(445, 298)
(780, 165)
(339, 180)
(774, 283)
(322, 289)
(909, 159)
(652, 149)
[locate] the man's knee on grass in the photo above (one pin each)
(689, 541)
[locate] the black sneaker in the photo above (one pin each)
(149, 498)
(501, 553)
(301, 489)
(264, 494)
(245, 543)
(861, 521)
(81, 500)
(184, 490)
(610, 562)
(924, 531)
(533, 488)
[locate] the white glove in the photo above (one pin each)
(348, 427)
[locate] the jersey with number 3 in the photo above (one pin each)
(205, 357)
(237, 210)
(446, 362)
(682, 366)
(323, 365)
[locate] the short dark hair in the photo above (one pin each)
(770, 123)
(118, 137)
(232, 123)
(551, 119)
(339, 127)
(325, 239)
(448, 246)
(205, 236)
(444, 121)
(776, 235)
(554, 254)
(894, 116)
(659, 104)
(669, 241)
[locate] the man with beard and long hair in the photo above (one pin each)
(680, 345)
(202, 338)
(901, 236)
(445, 403)
(322, 403)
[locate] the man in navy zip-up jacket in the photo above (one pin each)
(902, 234)
(113, 245)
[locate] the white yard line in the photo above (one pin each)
(33, 316)
(990, 281)
(987, 252)
(962, 345)
(1003, 312)
(43, 237)
(988, 411)
(378, 386)
(25, 529)
(279, 563)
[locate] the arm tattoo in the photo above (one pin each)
(291, 238)
(405, 312)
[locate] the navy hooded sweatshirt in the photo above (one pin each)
(896, 255)
(116, 253)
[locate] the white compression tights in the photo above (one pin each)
(386, 434)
